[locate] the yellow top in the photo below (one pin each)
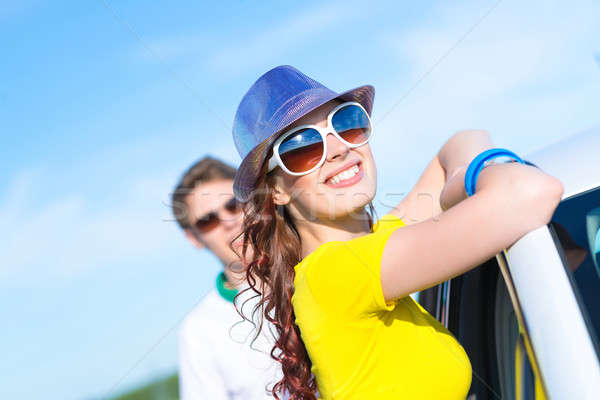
(362, 347)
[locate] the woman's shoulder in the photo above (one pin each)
(388, 221)
(345, 275)
(323, 250)
(329, 249)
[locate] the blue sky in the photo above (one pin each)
(105, 103)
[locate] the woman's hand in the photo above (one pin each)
(455, 156)
(462, 147)
(453, 191)
(443, 173)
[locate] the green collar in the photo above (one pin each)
(227, 294)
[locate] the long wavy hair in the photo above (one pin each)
(269, 232)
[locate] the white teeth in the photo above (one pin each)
(346, 174)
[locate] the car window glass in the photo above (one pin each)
(593, 233)
(576, 223)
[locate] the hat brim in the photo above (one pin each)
(250, 168)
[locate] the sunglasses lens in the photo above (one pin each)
(352, 124)
(232, 206)
(302, 150)
(207, 223)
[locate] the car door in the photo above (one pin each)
(529, 318)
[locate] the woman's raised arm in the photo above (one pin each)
(423, 201)
(511, 200)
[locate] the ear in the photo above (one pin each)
(193, 239)
(280, 196)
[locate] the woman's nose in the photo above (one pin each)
(335, 147)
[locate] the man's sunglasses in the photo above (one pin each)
(303, 149)
(210, 221)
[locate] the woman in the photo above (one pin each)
(334, 284)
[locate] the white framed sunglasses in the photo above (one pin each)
(303, 149)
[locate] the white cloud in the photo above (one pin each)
(15, 9)
(20, 190)
(518, 65)
(223, 56)
(288, 34)
(524, 73)
(171, 48)
(66, 237)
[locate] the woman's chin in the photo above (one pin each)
(348, 204)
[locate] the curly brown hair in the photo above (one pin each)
(269, 232)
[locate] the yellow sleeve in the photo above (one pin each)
(345, 277)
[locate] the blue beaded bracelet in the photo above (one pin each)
(478, 163)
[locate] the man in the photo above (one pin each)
(217, 360)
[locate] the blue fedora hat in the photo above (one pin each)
(277, 99)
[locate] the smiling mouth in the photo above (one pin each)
(347, 177)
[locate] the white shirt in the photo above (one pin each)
(216, 360)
